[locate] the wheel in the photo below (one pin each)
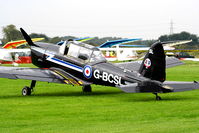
(26, 91)
(86, 88)
(158, 98)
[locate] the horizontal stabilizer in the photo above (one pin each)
(180, 86)
(130, 88)
(172, 61)
(135, 65)
(155, 87)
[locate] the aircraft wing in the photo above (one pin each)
(182, 50)
(84, 39)
(54, 75)
(128, 45)
(14, 44)
(135, 65)
(166, 87)
(174, 43)
(109, 44)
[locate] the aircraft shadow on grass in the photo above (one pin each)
(134, 98)
(166, 98)
(82, 94)
(64, 94)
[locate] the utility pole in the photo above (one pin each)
(171, 27)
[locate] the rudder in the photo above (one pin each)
(154, 64)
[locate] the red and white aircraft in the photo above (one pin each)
(10, 54)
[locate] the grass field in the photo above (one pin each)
(62, 108)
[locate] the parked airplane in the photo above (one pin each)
(15, 44)
(115, 53)
(83, 64)
(14, 56)
(130, 53)
(9, 53)
(83, 39)
(111, 43)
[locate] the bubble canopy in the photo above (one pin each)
(85, 52)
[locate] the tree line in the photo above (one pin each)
(11, 33)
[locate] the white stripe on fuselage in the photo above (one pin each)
(51, 58)
(63, 63)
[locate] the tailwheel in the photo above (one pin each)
(157, 97)
(87, 88)
(26, 91)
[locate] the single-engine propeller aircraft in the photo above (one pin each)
(82, 64)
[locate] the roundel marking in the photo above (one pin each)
(147, 63)
(87, 71)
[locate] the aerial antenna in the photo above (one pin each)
(171, 27)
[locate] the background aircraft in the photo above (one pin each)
(109, 44)
(130, 53)
(83, 64)
(112, 54)
(83, 39)
(15, 44)
(12, 55)
(109, 55)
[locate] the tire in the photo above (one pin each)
(158, 98)
(86, 88)
(26, 91)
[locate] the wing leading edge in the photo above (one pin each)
(47, 75)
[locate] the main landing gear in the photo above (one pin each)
(87, 88)
(26, 91)
(157, 97)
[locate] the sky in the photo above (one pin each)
(146, 19)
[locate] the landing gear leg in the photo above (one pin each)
(87, 88)
(157, 97)
(26, 91)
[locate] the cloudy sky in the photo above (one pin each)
(147, 19)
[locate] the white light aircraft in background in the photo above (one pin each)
(115, 52)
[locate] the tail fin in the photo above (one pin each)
(27, 37)
(154, 64)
